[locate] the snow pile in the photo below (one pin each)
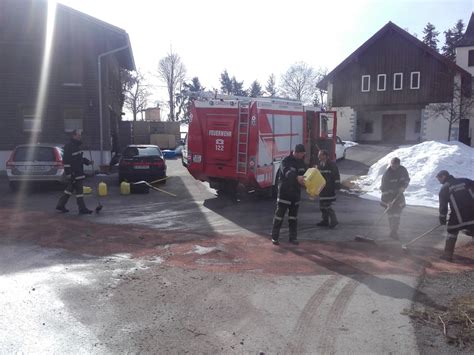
(348, 144)
(422, 161)
(203, 250)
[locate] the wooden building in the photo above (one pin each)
(387, 89)
(49, 72)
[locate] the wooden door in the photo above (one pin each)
(393, 128)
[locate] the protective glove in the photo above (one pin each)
(442, 220)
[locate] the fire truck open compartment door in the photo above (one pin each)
(322, 129)
(279, 132)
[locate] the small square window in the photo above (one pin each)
(381, 82)
(73, 119)
(397, 81)
(470, 58)
(415, 80)
(365, 85)
(368, 127)
(30, 123)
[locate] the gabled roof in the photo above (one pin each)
(390, 26)
(126, 56)
(468, 39)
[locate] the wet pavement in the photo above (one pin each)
(197, 273)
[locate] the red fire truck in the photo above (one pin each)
(243, 141)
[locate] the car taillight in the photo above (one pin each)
(10, 164)
(158, 163)
(58, 159)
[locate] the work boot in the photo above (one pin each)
(332, 216)
(61, 206)
(394, 235)
(323, 223)
(275, 241)
(85, 211)
(449, 249)
(294, 242)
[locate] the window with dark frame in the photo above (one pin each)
(368, 127)
(470, 58)
(365, 85)
(397, 81)
(28, 115)
(415, 80)
(73, 119)
(381, 82)
(418, 126)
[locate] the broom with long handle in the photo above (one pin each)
(365, 238)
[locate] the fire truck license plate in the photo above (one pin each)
(142, 166)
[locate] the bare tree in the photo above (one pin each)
(136, 92)
(172, 72)
(321, 73)
(459, 108)
(299, 82)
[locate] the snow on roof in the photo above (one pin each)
(422, 161)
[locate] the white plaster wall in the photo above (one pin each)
(462, 58)
(345, 122)
(377, 116)
(5, 155)
(435, 127)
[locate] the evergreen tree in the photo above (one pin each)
(187, 94)
(271, 88)
(255, 89)
(226, 83)
(237, 87)
(430, 36)
(452, 37)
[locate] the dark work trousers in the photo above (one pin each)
(76, 187)
(292, 208)
(393, 215)
(327, 212)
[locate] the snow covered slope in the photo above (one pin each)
(422, 161)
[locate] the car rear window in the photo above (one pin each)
(131, 152)
(23, 154)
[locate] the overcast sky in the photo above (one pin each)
(252, 39)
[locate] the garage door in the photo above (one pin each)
(393, 128)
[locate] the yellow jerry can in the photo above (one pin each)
(87, 189)
(102, 189)
(124, 188)
(314, 182)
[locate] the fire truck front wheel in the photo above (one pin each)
(228, 188)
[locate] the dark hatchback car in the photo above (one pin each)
(142, 162)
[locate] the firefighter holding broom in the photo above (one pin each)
(395, 180)
(74, 169)
(458, 194)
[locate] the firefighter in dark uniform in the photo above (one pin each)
(327, 196)
(290, 180)
(458, 193)
(74, 169)
(395, 180)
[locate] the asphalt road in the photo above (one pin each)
(196, 273)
